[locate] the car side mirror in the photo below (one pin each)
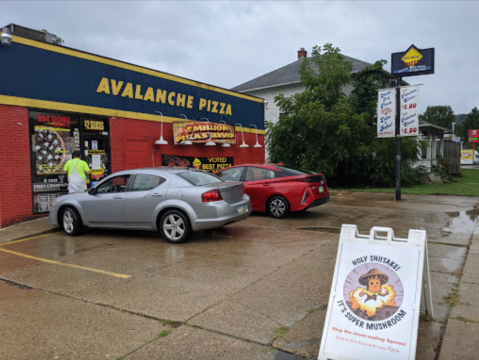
(92, 191)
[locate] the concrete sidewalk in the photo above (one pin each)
(461, 339)
(27, 229)
(455, 330)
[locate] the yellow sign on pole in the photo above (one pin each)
(412, 57)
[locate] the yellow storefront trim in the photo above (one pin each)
(82, 55)
(52, 105)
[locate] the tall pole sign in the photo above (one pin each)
(411, 62)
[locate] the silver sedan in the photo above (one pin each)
(174, 201)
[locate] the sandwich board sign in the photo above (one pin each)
(380, 285)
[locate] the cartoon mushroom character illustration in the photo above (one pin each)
(374, 280)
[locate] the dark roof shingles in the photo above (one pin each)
(286, 75)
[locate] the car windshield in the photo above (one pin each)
(292, 170)
(199, 178)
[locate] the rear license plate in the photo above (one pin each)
(320, 189)
(241, 209)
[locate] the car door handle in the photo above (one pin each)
(266, 185)
(156, 194)
(118, 197)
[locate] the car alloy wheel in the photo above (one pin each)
(68, 221)
(71, 221)
(175, 226)
(278, 207)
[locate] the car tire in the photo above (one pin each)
(71, 221)
(174, 226)
(278, 207)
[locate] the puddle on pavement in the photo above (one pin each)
(461, 221)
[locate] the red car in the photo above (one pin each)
(279, 189)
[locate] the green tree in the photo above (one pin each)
(460, 118)
(325, 130)
(471, 122)
(439, 115)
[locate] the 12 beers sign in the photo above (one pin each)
(373, 310)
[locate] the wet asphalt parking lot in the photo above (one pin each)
(257, 289)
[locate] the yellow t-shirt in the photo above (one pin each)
(81, 167)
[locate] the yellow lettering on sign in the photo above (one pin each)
(189, 104)
(202, 103)
(180, 100)
(104, 86)
(93, 125)
(215, 105)
(149, 95)
(160, 96)
(138, 93)
(128, 91)
(171, 98)
(412, 57)
(116, 87)
(222, 109)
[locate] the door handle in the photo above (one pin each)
(266, 185)
(156, 194)
(118, 197)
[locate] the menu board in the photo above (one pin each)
(54, 136)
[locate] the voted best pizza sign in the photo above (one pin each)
(373, 310)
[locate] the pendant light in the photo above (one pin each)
(257, 145)
(224, 144)
(209, 142)
(187, 142)
(243, 145)
(161, 141)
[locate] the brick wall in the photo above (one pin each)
(133, 145)
(16, 189)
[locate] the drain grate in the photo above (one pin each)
(332, 230)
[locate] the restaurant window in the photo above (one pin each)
(53, 138)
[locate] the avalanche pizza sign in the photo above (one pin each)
(373, 310)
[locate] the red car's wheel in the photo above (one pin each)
(278, 207)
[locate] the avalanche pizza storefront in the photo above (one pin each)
(55, 100)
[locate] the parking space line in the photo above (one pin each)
(30, 238)
(65, 264)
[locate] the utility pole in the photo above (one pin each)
(398, 138)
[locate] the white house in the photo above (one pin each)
(285, 80)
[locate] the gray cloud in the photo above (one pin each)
(226, 43)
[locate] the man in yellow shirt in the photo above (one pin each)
(77, 173)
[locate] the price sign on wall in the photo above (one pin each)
(379, 286)
(409, 114)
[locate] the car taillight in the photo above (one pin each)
(212, 195)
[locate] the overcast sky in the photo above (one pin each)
(226, 43)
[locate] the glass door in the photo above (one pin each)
(96, 149)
